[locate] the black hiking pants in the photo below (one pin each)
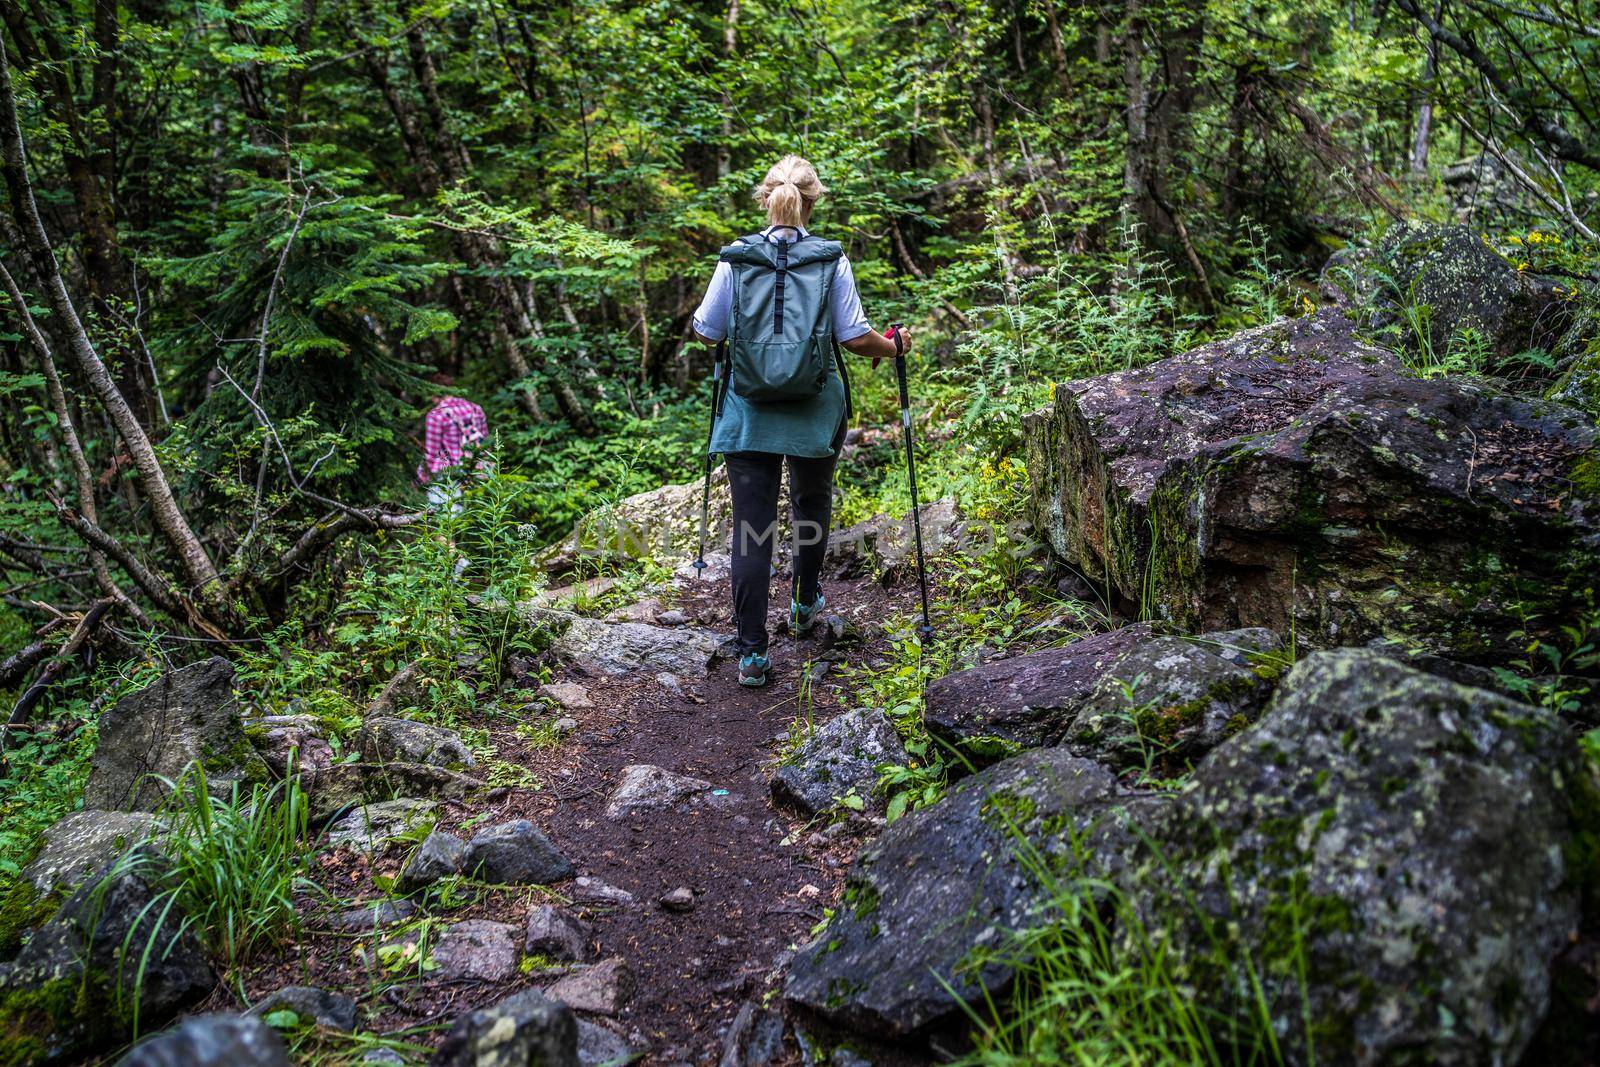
(753, 479)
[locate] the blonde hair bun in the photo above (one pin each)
(789, 191)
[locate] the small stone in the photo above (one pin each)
(477, 949)
(212, 1041)
(643, 611)
(373, 916)
(385, 1056)
(564, 726)
(569, 695)
(556, 934)
(679, 899)
(672, 617)
(332, 1010)
(602, 988)
(645, 787)
(670, 682)
(587, 890)
(515, 853)
(599, 1046)
(437, 858)
(1075, 587)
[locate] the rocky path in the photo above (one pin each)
(692, 887)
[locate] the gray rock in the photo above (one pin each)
(1296, 478)
(1116, 697)
(404, 690)
(371, 826)
(515, 853)
(523, 1029)
(599, 1046)
(719, 566)
(564, 726)
(587, 890)
(54, 994)
(938, 882)
(332, 1010)
(391, 740)
(663, 522)
(556, 934)
(298, 739)
(886, 546)
(679, 899)
(672, 617)
(186, 717)
(602, 988)
(754, 1038)
(647, 788)
(385, 1056)
(629, 647)
(477, 950)
(373, 916)
(81, 843)
(346, 786)
(438, 857)
(1466, 285)
(1418, 835)
(841, 757)
(212, 1041)
(569, 695)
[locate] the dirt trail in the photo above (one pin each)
(760, 878)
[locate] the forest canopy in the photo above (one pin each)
(245, 245)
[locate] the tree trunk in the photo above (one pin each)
(198, 568)
(1135, 198)
(1419, 141)
(730, 47)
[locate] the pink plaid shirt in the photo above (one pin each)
(450, 429)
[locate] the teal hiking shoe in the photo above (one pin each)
(802, 618)
(753, 670)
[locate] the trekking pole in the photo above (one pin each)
(705, 494)
(926, 629)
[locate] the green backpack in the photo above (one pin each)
(780, 333)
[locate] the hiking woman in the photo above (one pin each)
(779, 303)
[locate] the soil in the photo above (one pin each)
(761, 877)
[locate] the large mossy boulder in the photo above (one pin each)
(1293, 477)
(114, 954)
(663, 522)
(188, 717)
(1121, 697)
(940, 883)
(1398, 857)
(1436, 283)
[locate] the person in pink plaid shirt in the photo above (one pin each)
(452, 429)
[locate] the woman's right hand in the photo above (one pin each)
(879, 346)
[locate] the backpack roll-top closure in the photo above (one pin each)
(781, 331)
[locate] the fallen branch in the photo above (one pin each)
(16, 666)
(161, 592)
(69, 650)
(324, 533)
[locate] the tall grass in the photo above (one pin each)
(1095, 985)
(232, 866)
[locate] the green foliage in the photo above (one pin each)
(236, 864)
(1096, 985)
(448, 589)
